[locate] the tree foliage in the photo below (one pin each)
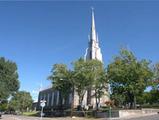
(85, 75)
(3, 105)
(149, 98)
(82, 77)
(154, 96)
(128, 76)
(156, 70)
(21, 101)
(61, 79)
(9, 83)
(155, 82)
(100, 81)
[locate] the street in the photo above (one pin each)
(15, 117)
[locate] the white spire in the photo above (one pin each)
(93, 51)
(93, 30)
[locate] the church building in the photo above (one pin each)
(93, 52)
(52, 96)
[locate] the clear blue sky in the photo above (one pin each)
(37, 35)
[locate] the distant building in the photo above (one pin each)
(52, 97)
(34, 106)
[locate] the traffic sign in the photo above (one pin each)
(42, 104)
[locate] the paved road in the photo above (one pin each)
(13, 117)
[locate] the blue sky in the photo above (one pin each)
(37, 35)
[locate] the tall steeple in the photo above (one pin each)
(93, 51)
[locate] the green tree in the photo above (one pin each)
(61, 79)
(129, 76)
(3, 105)
(155, 82)
(9, 82)
(145, 98)
(154, 96)
(150, 99)
(118, 99)
(99, 77)
(156, 70)
(89, 75)
(81, 78)
(21, 101)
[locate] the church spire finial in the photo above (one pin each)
(92, 8)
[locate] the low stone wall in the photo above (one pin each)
(125, 113)
(149, 110)
(106, 114)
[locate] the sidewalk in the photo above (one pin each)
(129, 117)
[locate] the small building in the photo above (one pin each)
(34, 106)
(53, 100)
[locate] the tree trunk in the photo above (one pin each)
(89, 96)
(131, 100)
(80, 99)
(80, 103)
(96, 100)
(134, 102)
(131, 104)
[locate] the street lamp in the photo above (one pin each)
(110, 114)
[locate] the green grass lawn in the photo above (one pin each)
(33, 113)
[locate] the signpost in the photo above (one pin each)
(42, 104)
(110, 114)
